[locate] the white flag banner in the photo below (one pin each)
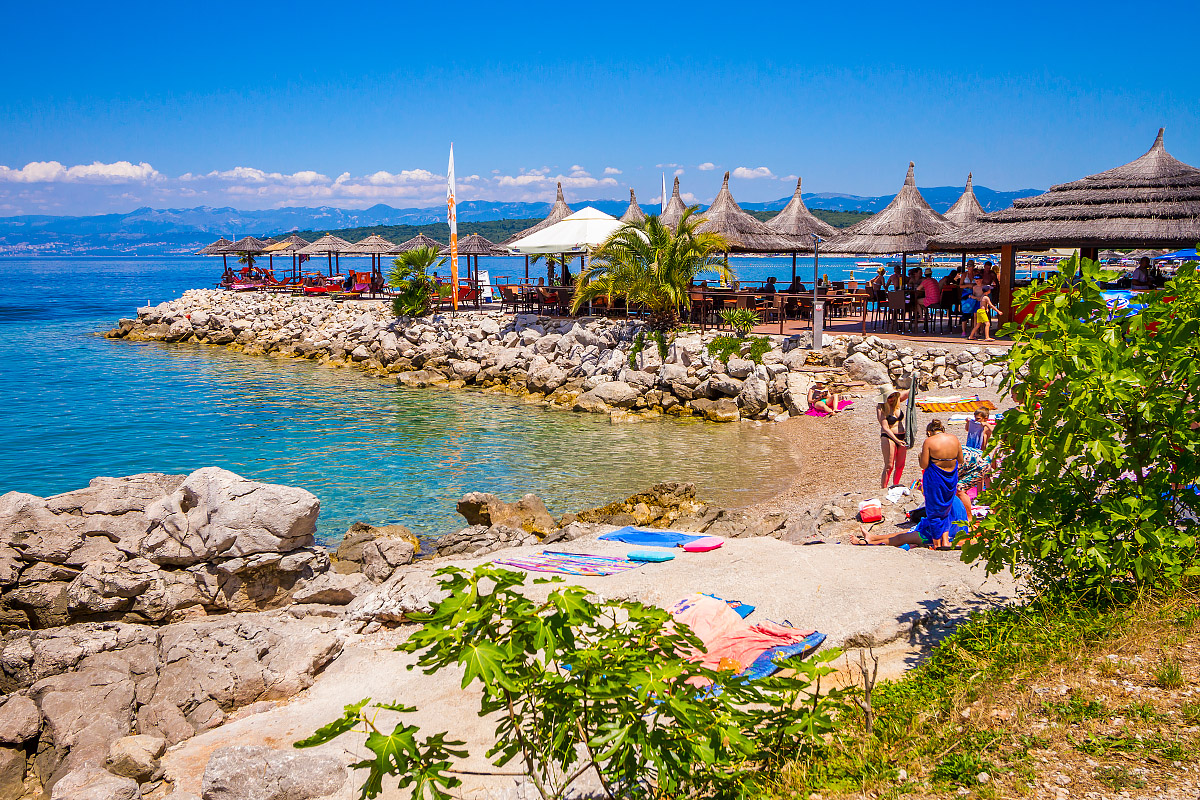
(452, 220)
(662, 206)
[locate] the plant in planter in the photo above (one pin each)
(415, 288)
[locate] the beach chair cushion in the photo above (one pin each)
(649, 555)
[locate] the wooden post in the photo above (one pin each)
(1092, 253)
(1008, 273)
(793, 269)
(527, 269)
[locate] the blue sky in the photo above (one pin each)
(109, 106)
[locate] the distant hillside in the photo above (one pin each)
(179, 231)
(838, 219)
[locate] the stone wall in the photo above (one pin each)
(584, 364)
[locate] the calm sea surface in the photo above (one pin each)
(74, 405)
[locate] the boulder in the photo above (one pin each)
(529, 513)
(591, 403)
(90, 782)
(12, 774)
(861, 368)
(36, 532)
(364, 542)
(753, 397)
(725, 385)
(615, 393)
(406, 592)
(795, 393)
(332, 588)
(136, 757)
(216, 513)
(20, 720)
(420, 379)
(740, 368)
(722, 410)
(260, 773)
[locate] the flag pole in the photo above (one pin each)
(452, 219)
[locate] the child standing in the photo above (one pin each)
(982, 314)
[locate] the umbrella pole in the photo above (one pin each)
(793, 268)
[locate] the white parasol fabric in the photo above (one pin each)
(586, 229)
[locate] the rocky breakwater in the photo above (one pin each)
(587, 364)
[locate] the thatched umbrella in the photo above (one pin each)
(218, 248)
(675, 208)
(634, 213)
(248, 247)
(745, 234)
(558, 213)
(966, 209)
(1152, 202)
(904, 227)
(796, 220)
(373, 246)
(329, 246)
(475, 245)
(290, 245)
(415, 243)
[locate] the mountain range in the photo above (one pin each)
(178, 231)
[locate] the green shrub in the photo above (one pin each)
(415, 288)
(740, 320)
(1090, 494)
(578, 683)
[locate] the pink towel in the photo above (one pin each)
(812, 412)
(731, 642)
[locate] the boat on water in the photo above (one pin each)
(868, 264)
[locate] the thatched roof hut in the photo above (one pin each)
(745, 234)
(905, 226)
(417, 242)
(248, 244)
(966, 209)
(476, 245)
(1152, 202)
(796, 220)
(634, 213)
(558, 213)
(327, 244)
(217, 248)
(675, 208)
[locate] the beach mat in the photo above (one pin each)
(582, 564)
(650, 538)
(733, 643)
(965, 404)
(842, 406)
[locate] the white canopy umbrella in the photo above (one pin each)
(584, 230)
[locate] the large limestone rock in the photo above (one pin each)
(617, 394)
(753, 397)
(19, 720)
(216, 513)
(861, 368)
(136, 757)
(528, 514)
(375, 551)
(90, 782)
(795, 394)
(260, 773)
(12, 773)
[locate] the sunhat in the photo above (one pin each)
(886, 391)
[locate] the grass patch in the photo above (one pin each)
(1077, 709)
(1169, 674)
(1118, 778)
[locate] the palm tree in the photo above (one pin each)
(416, 287)
(653, 266)
(553, 262)
(247, 259)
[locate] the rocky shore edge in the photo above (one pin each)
(589, 364)
(143, 610)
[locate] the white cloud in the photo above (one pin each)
(790, 178)
(666, 166)
(679, 171)
(611, 171)
(96, 172)
(688, 198)
(305, 177)
(576, 168)
(751, 173)
(706, 166)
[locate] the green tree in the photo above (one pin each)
(248, 259)
(1092, 493)
(415, 287)
(556, 264)
(650, 265)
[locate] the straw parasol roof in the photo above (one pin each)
(905, 226)
(416, 243)
(216, 248)
(966, 209)
(247, 244)
(1153, 201)
(745, 234)
(291, 244)
(327, 244)
(372, 245)
(476, 245)
(558, 213)
(796, 220)
(634, 213)
(675, 208)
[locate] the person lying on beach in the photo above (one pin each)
(822, 399)
(947, 509)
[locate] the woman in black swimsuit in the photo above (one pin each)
(891, 434)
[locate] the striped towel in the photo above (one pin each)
(583, 564)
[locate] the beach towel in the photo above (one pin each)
(973, 467)
(644, 538)
(910, 415)
(583, 564)
(844, 404)
(703, 544)
(743, 609)
(733, 643)
(968, 404)
(944, 512)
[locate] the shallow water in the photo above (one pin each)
(74, 405)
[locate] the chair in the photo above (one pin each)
(509, 301)
(897, 308)
(546, 299)
(773, 311)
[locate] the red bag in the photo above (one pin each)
(870, 511)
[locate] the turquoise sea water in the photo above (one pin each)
(74, 405)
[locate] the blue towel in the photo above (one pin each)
(768, 663)
(643, 538)
(942, 506)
